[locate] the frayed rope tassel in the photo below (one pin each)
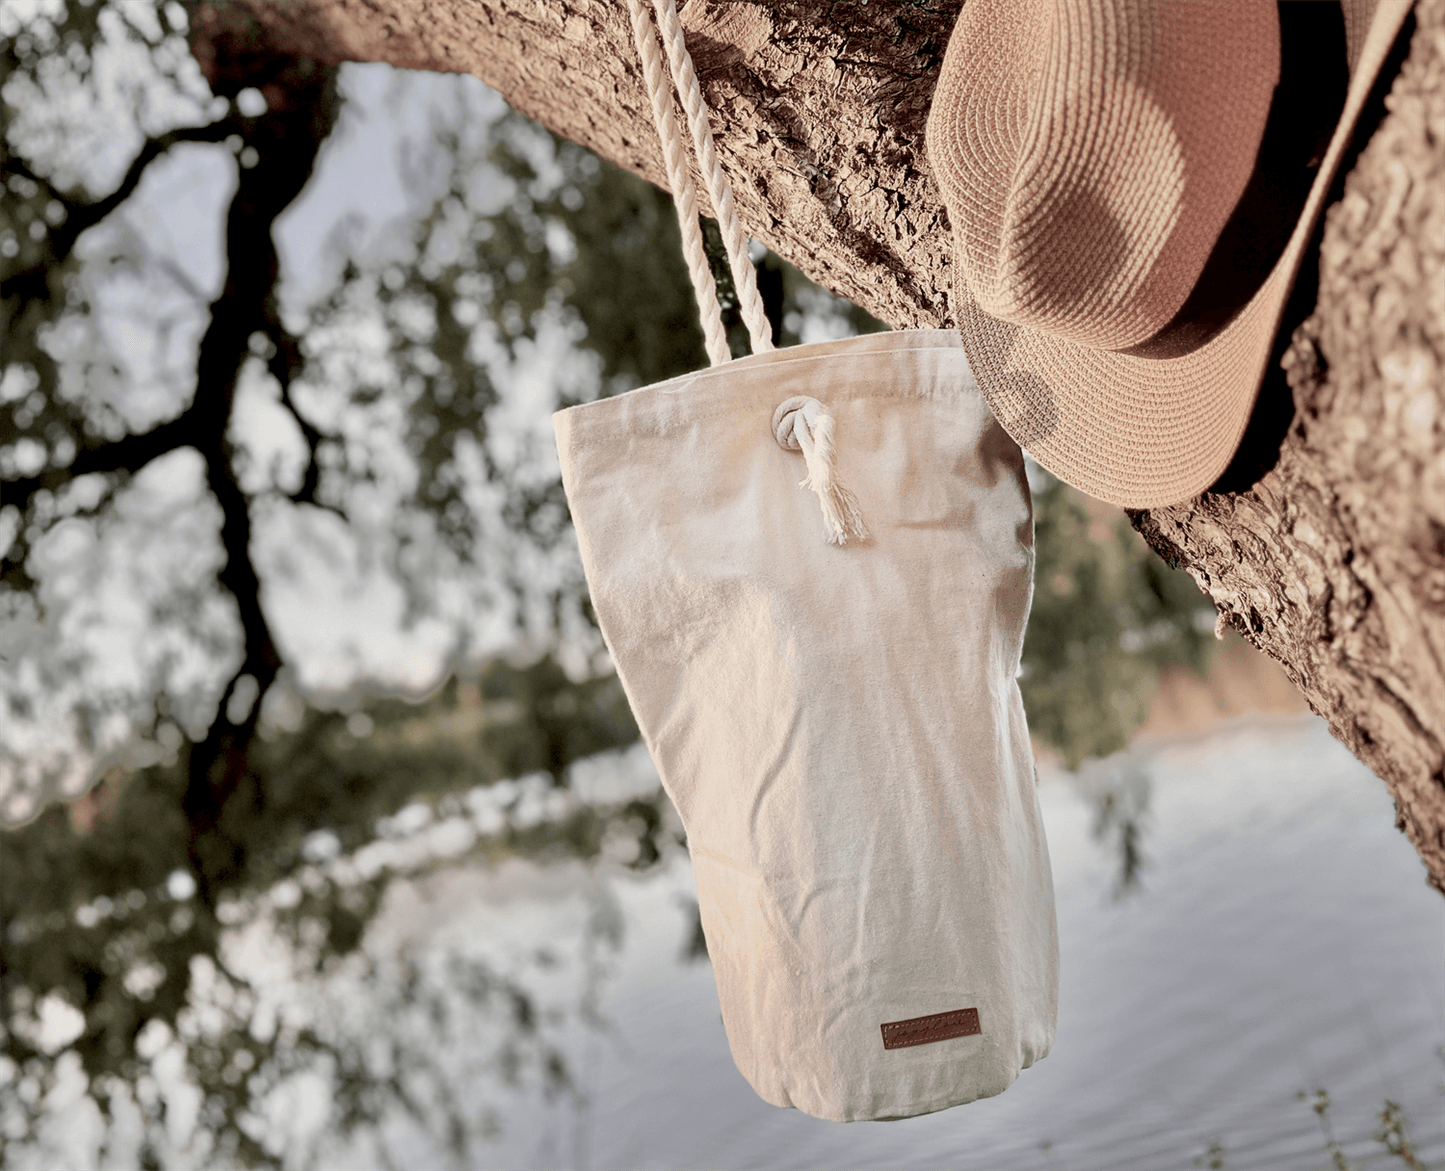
(803, 423)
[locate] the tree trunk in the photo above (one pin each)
(1329, 552)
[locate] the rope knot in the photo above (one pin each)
(803, 424)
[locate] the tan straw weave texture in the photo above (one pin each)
(1096, 155)
(1089, 152)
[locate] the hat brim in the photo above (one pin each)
(1146, 432)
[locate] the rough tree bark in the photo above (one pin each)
(1329, 551)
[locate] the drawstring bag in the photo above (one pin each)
(824, 674)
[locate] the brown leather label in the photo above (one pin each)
(924, 1030)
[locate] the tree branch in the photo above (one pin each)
(818, 111)
(127, 454)
(286, 362)
(287, 141)
(82, 214)
(32, 283)
(1334, 562)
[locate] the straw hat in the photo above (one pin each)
(1133, 185)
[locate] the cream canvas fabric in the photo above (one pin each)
(838, 725)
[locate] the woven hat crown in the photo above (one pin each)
(1090, 151)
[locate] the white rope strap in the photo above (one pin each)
(799, 423)
(804, 424)
(719, 190)
(679, 177)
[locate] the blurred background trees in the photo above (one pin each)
(286, 574)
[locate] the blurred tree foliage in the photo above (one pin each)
(99, 908)
(222, 785)
(1107, 615)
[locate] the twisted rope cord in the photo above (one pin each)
(718, 188)
(802, 423)
(679, 177)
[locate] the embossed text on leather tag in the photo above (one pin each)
(923, 1030)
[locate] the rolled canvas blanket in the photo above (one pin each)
(838, 724)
